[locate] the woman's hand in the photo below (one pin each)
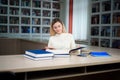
(51, 48)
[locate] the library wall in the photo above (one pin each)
(27, 18)
(105, 23)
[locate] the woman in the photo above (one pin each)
(60, 39)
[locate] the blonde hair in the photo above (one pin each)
(52, 32)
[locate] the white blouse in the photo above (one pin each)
(62, 41)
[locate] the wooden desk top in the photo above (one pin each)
(18, 63)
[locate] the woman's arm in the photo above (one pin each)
(49, 48)
(49, 44)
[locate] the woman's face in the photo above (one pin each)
(57, 27)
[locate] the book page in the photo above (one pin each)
(58, 51)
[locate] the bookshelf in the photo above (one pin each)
(29, 19)
(105, 23)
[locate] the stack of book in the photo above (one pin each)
(38, 54)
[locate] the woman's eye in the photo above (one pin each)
(55, 27)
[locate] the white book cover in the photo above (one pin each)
(58, 51)
(38, 58)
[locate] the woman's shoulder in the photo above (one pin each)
(52, 37)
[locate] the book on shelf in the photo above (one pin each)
(38, 58)
(116, 44)
(39, 53)
(105, 42)
(105, 31)
(63, 53)
(99, 54)
(117, 5)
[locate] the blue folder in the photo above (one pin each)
(99, 54)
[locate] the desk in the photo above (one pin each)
(62, 67)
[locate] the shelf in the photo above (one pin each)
(116, 31)
(25, 12)
(3, 10)
(25, 29)
(105, 23)
(105, 43)
(25, 3)
(3, 29)
(27, 18)
(116, 5)
(36, 4)
(14, 29)
(94, 41)
(106, 5)
(95, 19)
(14, 20)
(4, 2)
(95, 7)
(45, 30)
(36, 12)
(105, 31)
(116, 18)
(95, 31)
(116, 43)
(3, 20)
(56, 5)
(46, 5)
(36, 29)
(14, 11)
(105, 18)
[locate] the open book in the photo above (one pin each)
(63, 53)
(59, 53)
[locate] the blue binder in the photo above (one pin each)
(99, 54)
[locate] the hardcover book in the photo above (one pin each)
(38, 58)
(39, 53)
